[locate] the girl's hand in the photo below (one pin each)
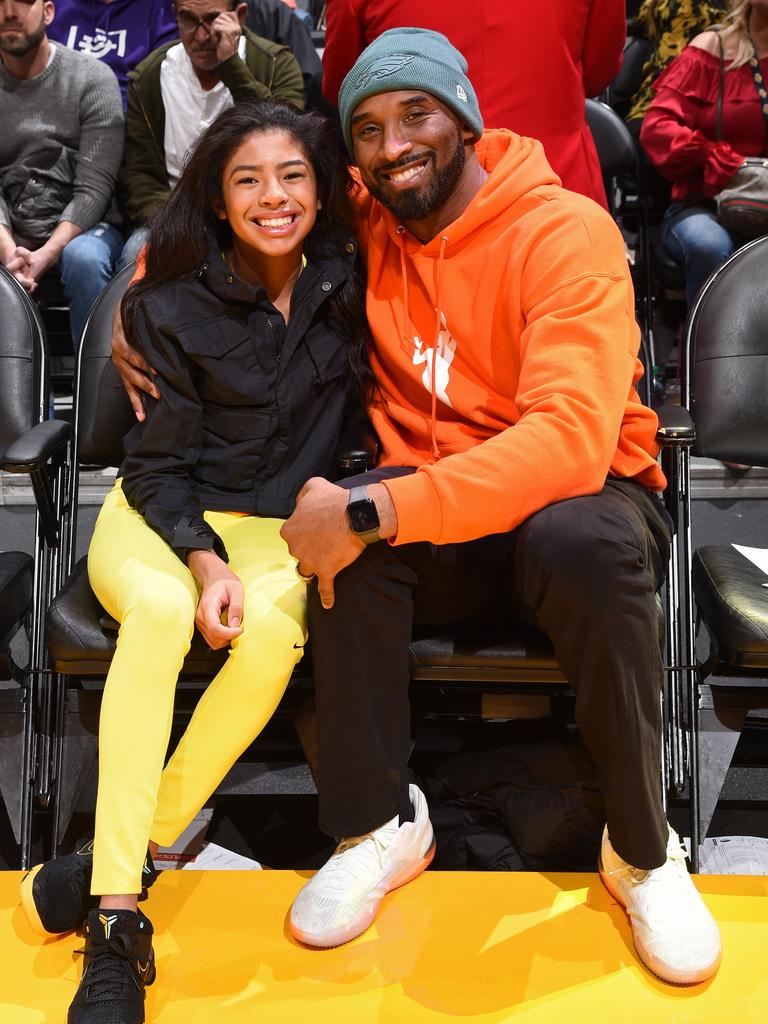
(222, 592)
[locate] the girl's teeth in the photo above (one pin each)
(274, 222)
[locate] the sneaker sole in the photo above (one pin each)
(331, 940)
(657, 967)
(26, 891)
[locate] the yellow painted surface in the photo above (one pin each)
(462, 947)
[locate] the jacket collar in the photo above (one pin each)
(320, 278)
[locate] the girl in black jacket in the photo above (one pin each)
(247, 312)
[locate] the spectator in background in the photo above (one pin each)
(668, 25)
(61, 141)
(680, 135)
(531, 64)
(121, 33)
(273, 19)
(182, 87)
(301, 12)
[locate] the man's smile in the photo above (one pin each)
(406, 172)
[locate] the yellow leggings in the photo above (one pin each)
(151, 593)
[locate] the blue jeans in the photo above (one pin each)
(86, 265)
(133, 246)
(693, 236)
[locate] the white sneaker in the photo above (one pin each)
(674, 933)
(341, 900)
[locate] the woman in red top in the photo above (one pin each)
(679, 134)
(531, 64)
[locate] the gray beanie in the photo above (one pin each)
(411, 58)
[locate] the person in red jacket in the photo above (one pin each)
(531, 64)
(680, 135)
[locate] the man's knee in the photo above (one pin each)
(579, 549)
(90, 253)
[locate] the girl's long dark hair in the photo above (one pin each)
(179, 235)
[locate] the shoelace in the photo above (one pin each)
(675, 853)
(107, 972)
(336, 864)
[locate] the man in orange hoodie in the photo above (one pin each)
(516, 477)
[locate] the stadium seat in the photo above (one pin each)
(617, 152)
(724, 375)
(32, 446)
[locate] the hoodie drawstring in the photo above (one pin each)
(435, 342)
(404, 277)
(405, 325)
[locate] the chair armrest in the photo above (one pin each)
(676, 428)
(32, 450)
(357, 450)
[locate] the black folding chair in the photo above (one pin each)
(725, 389)
(33, 446)
(619, 161)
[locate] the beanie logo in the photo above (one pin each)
(396, 62)
(461, 94)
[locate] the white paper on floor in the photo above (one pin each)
(732, 855)
(191, 852)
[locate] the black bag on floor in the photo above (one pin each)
(534, 806)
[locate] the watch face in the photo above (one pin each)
(363, 515)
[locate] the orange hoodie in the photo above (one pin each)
(522, 309)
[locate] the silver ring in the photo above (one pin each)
(302, 577)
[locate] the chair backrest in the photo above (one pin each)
(23, 361)
(725, 364)
(103, 414)
(616, 149)
(629, 77)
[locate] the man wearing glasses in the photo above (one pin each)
(182, 87)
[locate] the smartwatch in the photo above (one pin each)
(362, 515)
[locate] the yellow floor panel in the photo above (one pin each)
(465, 946)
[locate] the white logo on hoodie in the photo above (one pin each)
(446, 349)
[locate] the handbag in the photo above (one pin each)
(742, 206)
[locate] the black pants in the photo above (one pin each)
(585, 571)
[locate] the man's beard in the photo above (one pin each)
(419, 203)
(24, 43)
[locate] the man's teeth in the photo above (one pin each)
(406, 174)
(274, 222)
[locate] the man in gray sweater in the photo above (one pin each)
(61, 142)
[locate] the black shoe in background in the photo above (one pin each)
(119, 963)
(56, 896)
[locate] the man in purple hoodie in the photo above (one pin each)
(119, 32)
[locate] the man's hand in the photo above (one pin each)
(39, 260)
(18, 266)
(132, 367)
(222, 592)
(29, 265)
(226, 31)
(318, 535)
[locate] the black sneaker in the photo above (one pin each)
(56, 896)
(119, 963)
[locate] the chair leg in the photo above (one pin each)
(78, 756)
(15, 749)
(719, 732)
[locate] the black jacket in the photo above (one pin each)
(249, 408)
